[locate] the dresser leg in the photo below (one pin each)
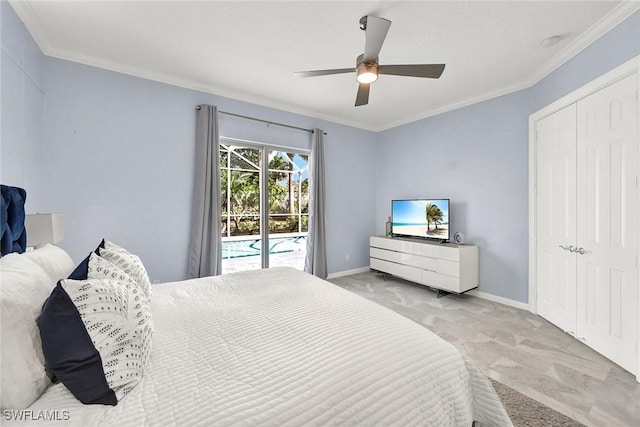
(442, 293)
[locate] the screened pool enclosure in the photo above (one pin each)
(265, 206)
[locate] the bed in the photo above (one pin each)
(281, 347)
(268, 347)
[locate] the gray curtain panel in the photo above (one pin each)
(205, 252)
(316, 258)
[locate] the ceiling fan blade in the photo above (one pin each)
(316, 73)
(375, 33)
(362, 98)
(432, 71)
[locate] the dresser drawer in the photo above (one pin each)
(413, 274)
(440, 281)
(397, 257)
(396, 245)
(448, 268)
(429, 263)
(441, 252)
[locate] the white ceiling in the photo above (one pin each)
(249, 50)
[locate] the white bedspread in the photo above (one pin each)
(279, 347)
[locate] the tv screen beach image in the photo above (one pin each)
(421, 218)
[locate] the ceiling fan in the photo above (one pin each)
(367, 67)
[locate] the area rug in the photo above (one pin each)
(526, 412)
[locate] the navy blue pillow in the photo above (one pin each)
(81, 271)
(67, 346)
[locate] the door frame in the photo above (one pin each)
(264, 190)
(628, 68)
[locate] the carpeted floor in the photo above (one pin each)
(526, 412)
(548, 368)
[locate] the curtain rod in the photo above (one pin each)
(268, 122)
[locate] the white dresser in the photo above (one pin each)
(445, 266)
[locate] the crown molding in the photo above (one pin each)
(605, 24)
(608, 22)
(613, 18)
(204, 88)
(30, 20)
(454, 106)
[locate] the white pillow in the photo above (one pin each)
(97, 335)
(129, 263)
(100, 268)
(53, 260)
(24, 286)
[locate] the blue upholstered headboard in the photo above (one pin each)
(13, 234)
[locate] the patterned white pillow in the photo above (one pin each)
(100, 268)
(96, 335)
(129, 263)
(114, 315)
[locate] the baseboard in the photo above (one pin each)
(501, 300)
(347, 272)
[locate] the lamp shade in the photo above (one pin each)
(44, 228)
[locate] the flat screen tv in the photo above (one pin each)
(426, 218)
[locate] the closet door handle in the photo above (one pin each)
(568, 248)
(581, 251)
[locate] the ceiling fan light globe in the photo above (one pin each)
(367, 77)
(366, 72)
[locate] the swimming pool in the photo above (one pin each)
(247, 248)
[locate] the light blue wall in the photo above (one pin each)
(615, 48)
(121, 152)
(114, 153)
(22, 137)
(478, 157)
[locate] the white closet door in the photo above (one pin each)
(607, 220)
(556, 212)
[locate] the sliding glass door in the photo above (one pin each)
(288, 208)
(265, 202)
(240, 176)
